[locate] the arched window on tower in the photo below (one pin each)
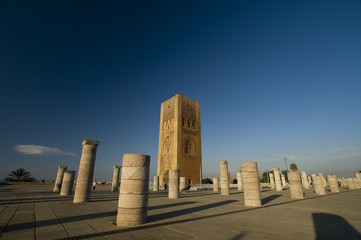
(166, 144)
(188, 147)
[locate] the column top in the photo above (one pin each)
(222, 162)
(63, 167)
(275, 169)
(117, 166)
(90, 142)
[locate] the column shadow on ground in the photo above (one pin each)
(270, 198)
(330, 226)
(185, 211)
(170, 205)
(155, 224)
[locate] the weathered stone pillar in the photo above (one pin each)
(215, 185)
(223, 166)
(68, 182)
(332, 181)
(59, 178)
(115, 182)
(350, 183)
(239, 180)
(251, 185)
(355, 182)
(276, 172)
(156, 184)
(309, 180)
(272, 181)
(305, 183)
(344, 182)
(295, 185)
(182, 184)
(133, 192)
(173, 183)
(318, 185)
(323, 179)
(358, 177)
(283, 178)
(86, 171)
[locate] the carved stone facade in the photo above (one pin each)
(180, 139)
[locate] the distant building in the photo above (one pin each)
(180, 139)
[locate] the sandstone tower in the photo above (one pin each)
(180, 139)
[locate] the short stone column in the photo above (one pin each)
(68, 182)
(358, 177)
(276, 172)
(283, 178)
(344, 182)
(323, 179)
(223, 167)
(309, 180)
(215, 185)
(115, 182)
(239, 180)
(272, 181)
(350, 183)
(251, 185)
(86, 171)
(332, 181)
(173, 183)
(318, 185)
(133, 192)
(182, 184)
(294, 179)
(305, 183)
(356, 183)
(156, 184)
(59, 178)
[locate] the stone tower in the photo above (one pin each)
(180, 139)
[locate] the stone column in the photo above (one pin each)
(182, 184)
(173, 183)
(294, 179)
(223, 166)
(276, 172)
(68, 182)
(283, 178)
(272, 181)
(355, 182)
(318, 185)
(59, 178)
(305, 183)
(358, 177)
(239, 180)
(115, 182)
(309, 180)
(332, 181)
(86, 171)
(323, 179)
(344, 182)
(251, 186)
(156, 184)
(215, 185)
(133, 192)
(350, 183)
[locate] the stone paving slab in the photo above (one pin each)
(35, 212)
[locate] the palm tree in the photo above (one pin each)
(19, 175)
(293, 167)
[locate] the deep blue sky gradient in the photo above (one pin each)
(273, 78)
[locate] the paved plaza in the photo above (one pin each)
(35, 212)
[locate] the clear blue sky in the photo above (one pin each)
(274, 78)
